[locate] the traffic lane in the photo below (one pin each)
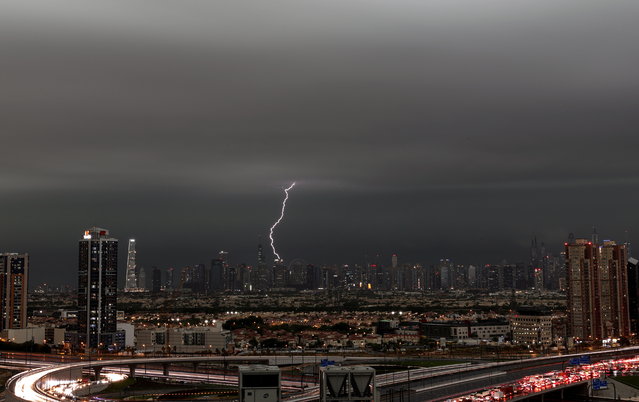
(465, 387)
(464, 382)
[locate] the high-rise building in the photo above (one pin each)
(186, 278)
(633, 294)
(97, 286)
(472, 276)
(141, 279)
(156, 280)
(14, 278)
(263, 278)
(131, 275)
(198, 281)
(216, 275)
(613, 289)
(444, 268)
(170, 280)
(539, 278)
(597, 287)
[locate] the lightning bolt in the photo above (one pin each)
(286, 190)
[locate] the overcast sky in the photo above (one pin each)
(431, 129)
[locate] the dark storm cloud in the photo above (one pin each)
(429, 128)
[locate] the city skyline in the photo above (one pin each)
(431, 130)
(247, 256)
(529, 256)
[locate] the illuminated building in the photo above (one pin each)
(263, 278)
(97, 286)
(131, 276)
(613, 289)
(532, 326)
(597, 287)
(539, 278)
(633, 294)
(14, 277)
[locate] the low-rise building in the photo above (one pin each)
(182, 340)
(536, 327)
(459, 330)
(22, 335)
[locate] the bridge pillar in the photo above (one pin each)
(165, 368)
(132, 368)
(97, 370)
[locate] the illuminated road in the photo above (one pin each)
(448, 384)
(32, 385)
(568, 376)
(436, 383)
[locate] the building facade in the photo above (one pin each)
(97, 286)
(533, 328)
(597, 287)
(182, 340)
(14, 278)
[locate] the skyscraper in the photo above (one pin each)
(198, 279)
(597, 287)
(141, 279)
(216, 275)
(613, 289)
(131, 275)
(263, 278)
(14, 278)
(97, 285)
(633, 294)
(170, 280)
(156, 280)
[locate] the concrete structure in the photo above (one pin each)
(97, 286)
(131, 275)
(14, 280)
(597, 286)
(129, 333)
(532, 328)
(347, 384)
(21, 335)
(182, 340)
(259, 383)
(457, 330)
(442, 381)
(613, 289)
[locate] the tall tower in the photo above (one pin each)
(141, 280)
(263, 278)
(97, 285)
(131, 276)
(156, 280)
(14, 278)
(598, 303)
(170, 280)
(613, 289)
(260, 255)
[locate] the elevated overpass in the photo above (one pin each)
(437, 383)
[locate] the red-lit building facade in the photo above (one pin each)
(597, 287)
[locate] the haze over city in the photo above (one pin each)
(428, 129)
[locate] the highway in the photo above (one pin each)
(422, 384)
(462, 380)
